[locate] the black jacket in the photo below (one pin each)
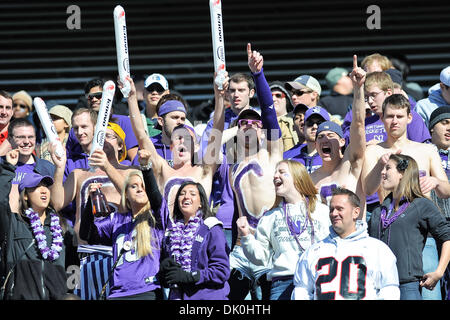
(33, 278)
(407, 235)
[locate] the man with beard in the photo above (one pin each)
(259, 148)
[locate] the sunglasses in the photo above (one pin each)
(96, 95)
(22, 106)
(279, 95)
(156, 88)
(299, 93)
(310, 123)
(248, 122)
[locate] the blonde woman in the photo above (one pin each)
(135, 236)
(297, 220)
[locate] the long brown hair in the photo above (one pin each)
(409, 185)
(302, 183)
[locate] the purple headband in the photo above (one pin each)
(170, 106)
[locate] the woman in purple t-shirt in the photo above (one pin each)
(135, 235)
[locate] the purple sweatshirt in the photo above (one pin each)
(162, 149)
(300, 153)
(210, 258)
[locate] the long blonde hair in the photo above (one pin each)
(144, 219)
(302, 183)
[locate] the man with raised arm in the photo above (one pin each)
(259, 148)
(184, 146)
(75, 186)
(343, 168)
(396, 116)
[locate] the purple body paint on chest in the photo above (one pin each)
(257, 170)
(104, 180)
(327, 191)
(172, 183)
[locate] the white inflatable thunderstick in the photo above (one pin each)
(123, 62)
(215, 8)
(109, 88)
(47, 124)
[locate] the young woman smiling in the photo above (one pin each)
(197, 253)
(403, 221)
(297, 220)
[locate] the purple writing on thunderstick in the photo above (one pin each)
(257, 170)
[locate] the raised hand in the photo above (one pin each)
(59, 162)
(132, 86)
(243, 226)
(12, 156)
(99, 159)
(144, 157)
(221, 92)
(255, 59)
(358, 75)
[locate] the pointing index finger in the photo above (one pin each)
(249, 49)
(355, 61)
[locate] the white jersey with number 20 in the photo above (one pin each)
(358, 267)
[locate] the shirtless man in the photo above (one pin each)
(75, 186)
(343, 169)
(184, 145)
(251, 177)
(396, 116)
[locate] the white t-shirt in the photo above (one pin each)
(273, 240)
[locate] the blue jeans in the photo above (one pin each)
(245, 278)
(430, 260)
(281, 289)
(410, 291)
(228, 236)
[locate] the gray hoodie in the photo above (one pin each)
(426, 106)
